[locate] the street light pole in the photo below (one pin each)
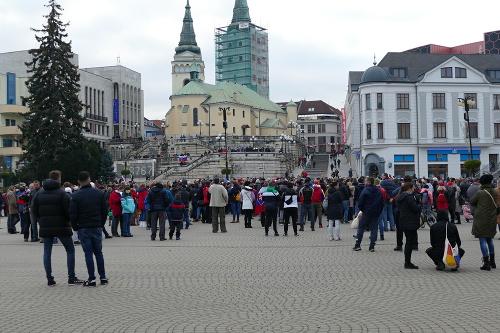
(200, 123)
(223, 111)
(466, 102)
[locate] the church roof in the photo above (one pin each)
(188, 37)
(241, 12)
(229, 92)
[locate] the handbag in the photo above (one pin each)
(498, 208)
(325, 203)
(355, 221)
(451, 255)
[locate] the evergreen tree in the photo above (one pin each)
(106, 171)
(52, 132)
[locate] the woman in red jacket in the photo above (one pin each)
(116, 209)
(442, 198)
(142, 194)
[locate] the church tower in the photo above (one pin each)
(241, 52)
(187, 54)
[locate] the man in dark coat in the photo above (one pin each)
(88, 214)
(438, 236)
(51, 207)
(371, 203)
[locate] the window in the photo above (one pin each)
(240, 43)
(380, 131)
(440, 130)
(474, 98)
(311, 140)
(496, 130)
(310, 110)
(234, 113)
(494, 74)
(404, 158)
(195, 117)
(403, 101)
(368, 131)
(403, 131)
(7, 143)
(460, 73)
(401, 170)
(379, 100)
(368, 102)
(11, 88)
(243, 113)
(241, 58)
(321, 128)
(438, 101)
(446, 72)
(496, 102)
(311, 128)
(473, 130)
(332, 139)
(399, 72)
(230, 59)
(437, 170)
(437, 157)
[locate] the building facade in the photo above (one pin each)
(403, 116)
(242, 52)
(113, 96)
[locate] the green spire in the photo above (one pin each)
(240, 12)
(188, 37)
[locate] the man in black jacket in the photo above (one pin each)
(88, 213)
(51, 207)
(438, 236)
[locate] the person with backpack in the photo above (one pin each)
(305, 196)
(389, 186)
(177, 211)
(454, 203)
(317, 201)
(290, 208)
(234, 200)
(442, 198)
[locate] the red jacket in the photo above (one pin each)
(143, 193)
(318, 195)
(115, 203)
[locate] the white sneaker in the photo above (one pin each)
(331, 238)
(337, 239)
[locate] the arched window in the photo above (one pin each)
(195, 117)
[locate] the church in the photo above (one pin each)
(200, 108)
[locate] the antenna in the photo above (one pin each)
(374, 60)
(118, 61)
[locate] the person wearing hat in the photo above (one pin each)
(484, 226)
(438, 235)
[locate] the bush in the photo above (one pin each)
(472, 165)
(223, 171)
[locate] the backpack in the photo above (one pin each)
(425, 197)
(307, 193)
(441, 198)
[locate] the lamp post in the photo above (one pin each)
(253, 138)
(219, 137)
(291, 124)
(121, 151)
(136, 126)
(200, 123)
(466, 102)
(223, 112)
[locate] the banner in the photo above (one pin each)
(344, 130)
(116, 112)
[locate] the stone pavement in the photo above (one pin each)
(244, 282)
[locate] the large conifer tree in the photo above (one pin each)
(53, 128)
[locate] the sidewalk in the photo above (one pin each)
(242, 281)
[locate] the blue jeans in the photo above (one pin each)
(486, 243)
(306, 208)
(34, 225)
(91, 240)
(390, 216)
(235, 209)
(67, 241)
(345, 208)
(12, 220)
(382, 220)
(372, 221)
(127, 217)
(186, 217)
(142, 217)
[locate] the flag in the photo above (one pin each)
(183, 158)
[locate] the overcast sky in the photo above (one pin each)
(312, 44)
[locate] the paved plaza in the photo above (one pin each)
(242, 281)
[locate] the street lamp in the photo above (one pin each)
(200, 123)
(219, 137)
(136, 125)
(466, 102)
(291, 124)
(121, 151)
(253, 138)
(223, 112)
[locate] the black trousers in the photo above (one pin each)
(271, 217)
(399, 231)
(411, 240)
(437, 254)
(175, 226)
(293, 213)
(247, 213)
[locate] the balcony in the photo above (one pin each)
(12, 108)
(10, 151)
(96, 117)
(10, 130)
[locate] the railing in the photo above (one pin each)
(183, 169)
(96, 117)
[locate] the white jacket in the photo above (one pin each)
(247, 198)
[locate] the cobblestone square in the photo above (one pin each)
(242, 281)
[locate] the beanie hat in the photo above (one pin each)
(442, 215)
(377, 181)
(486, 179)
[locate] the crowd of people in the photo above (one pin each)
(77, 214)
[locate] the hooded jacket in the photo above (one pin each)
(409, 218)
(159, 198)
(334, 209)
(51, 206)
(271, 198)
(247, 198)
(290, 193)
(485, 215)
(88, 208)
(142, 193)
(370, 201)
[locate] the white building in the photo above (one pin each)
(113, 95)
(403, 116)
